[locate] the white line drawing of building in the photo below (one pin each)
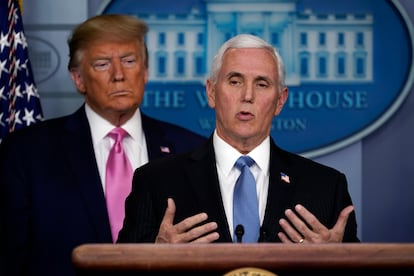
(316, 48)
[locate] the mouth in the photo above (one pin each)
(244, 115)
(119, 93)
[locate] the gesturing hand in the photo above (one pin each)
(185, 230)
(308, 229)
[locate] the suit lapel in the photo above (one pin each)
(279, 195)
(202, 174)
(77, 145)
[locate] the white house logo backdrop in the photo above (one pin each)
(348, 63)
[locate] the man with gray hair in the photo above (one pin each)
(196, 198)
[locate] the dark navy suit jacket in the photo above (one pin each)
(191, 180)
(51, 196)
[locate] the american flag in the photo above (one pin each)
(19, 100)
(165, 149)
(284, 177)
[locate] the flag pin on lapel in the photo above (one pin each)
(165, 149)
(284, 177)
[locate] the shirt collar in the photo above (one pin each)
(226, 155)
(100, 127)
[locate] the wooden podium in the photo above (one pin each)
(219, 259)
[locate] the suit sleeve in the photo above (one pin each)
(141, 222)
(344, 200)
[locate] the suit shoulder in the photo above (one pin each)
(166, 163)
(177, 129)
(37, 129)
(310, 164)
(181, 138)
(35, 136)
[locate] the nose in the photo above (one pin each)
(248, 95)
(117, 71)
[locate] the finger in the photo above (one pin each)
(311, 220)
(340, 224)
(290, 231)
(298, 222)
(178, 233)
(283, 238)
(169, 214)
(190, 222)
(199, 231)
(207, 238)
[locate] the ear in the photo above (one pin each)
(77, 80)
(281, 100)
(211, 93)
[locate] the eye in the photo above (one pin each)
(129, 62)
(101, 65)
(262, 84)
(235, 81)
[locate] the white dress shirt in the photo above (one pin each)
(226, 157)
(134, 144)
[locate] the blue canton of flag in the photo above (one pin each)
(19, 100)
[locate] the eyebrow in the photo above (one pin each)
(234, 74)
(108, 57)
(257, 78)
(264, 78)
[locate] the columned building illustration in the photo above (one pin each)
(316, 48)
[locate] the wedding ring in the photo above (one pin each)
(301, 241)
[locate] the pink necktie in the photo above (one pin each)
(118, 181)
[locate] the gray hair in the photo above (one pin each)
(248, 41)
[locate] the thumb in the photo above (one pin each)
(169, 212)
(342, 220)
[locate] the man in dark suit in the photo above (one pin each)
(189, 197)
(52, 191)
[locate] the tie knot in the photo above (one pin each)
(244, 161)
(118, 134)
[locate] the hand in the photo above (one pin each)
(316, 232)
(183, 231)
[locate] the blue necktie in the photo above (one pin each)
(245, 204)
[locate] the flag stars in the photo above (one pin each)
(20, 39)
(28, 117)
(31, 91)
(19, 98)
(3, 67)
(1, 120)
(3, 42)
(26, 67)
(17, 67)
(15, 117)
(18, 92)
(2, 96)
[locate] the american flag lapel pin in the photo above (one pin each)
(165, 149)
(284, 177)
